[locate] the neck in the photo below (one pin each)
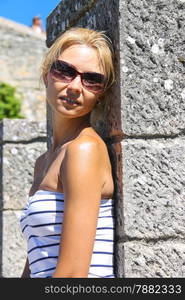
(66, 129)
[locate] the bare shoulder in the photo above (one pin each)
(89, 142)
(84, 142)
(82, 165)
(84, 149)
(87, 157)
(87, 152)
(88, 147)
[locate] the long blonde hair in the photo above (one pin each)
(82, 36)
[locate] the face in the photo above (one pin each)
(73, 98)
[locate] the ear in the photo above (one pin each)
(98, 101)
(100, 98)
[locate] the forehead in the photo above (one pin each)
(84, 58)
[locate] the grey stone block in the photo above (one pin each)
(14, 246)
(158, 260)
(153, 188)
(65, 15)
(18, 164)
(16, 130)
(152, 67)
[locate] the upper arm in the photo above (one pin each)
(82, 182)
(80, 167)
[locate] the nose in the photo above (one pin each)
(75, 86)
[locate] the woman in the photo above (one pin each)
(68, 221)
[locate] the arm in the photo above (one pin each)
(26, 271)
(82, 182)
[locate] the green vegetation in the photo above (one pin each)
(10, 104)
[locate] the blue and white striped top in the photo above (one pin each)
(41, 224)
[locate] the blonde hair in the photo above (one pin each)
(83, 36)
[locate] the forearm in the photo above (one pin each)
(68, 275)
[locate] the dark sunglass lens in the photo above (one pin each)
(93, 81)
(63, 71)
(93, 78)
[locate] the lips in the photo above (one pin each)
(69, 100)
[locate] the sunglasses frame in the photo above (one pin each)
(54, 67)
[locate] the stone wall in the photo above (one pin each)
(152, 96)
(21, 142)
(142, 123)
(21, 52)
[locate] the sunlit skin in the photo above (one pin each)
(81, 168)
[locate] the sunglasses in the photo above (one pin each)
(65, 72)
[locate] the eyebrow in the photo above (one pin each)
(72, 66)
(68, 64)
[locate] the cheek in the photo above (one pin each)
(90, 98)
(91, 102)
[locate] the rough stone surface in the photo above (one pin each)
(154, 194)
(18, 177)
(16, 130)
(14, 246)
(152, 62)
(65, 15)
(21, 142)
(21, 54)
(164, 259)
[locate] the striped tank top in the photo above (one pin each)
(41, 225)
